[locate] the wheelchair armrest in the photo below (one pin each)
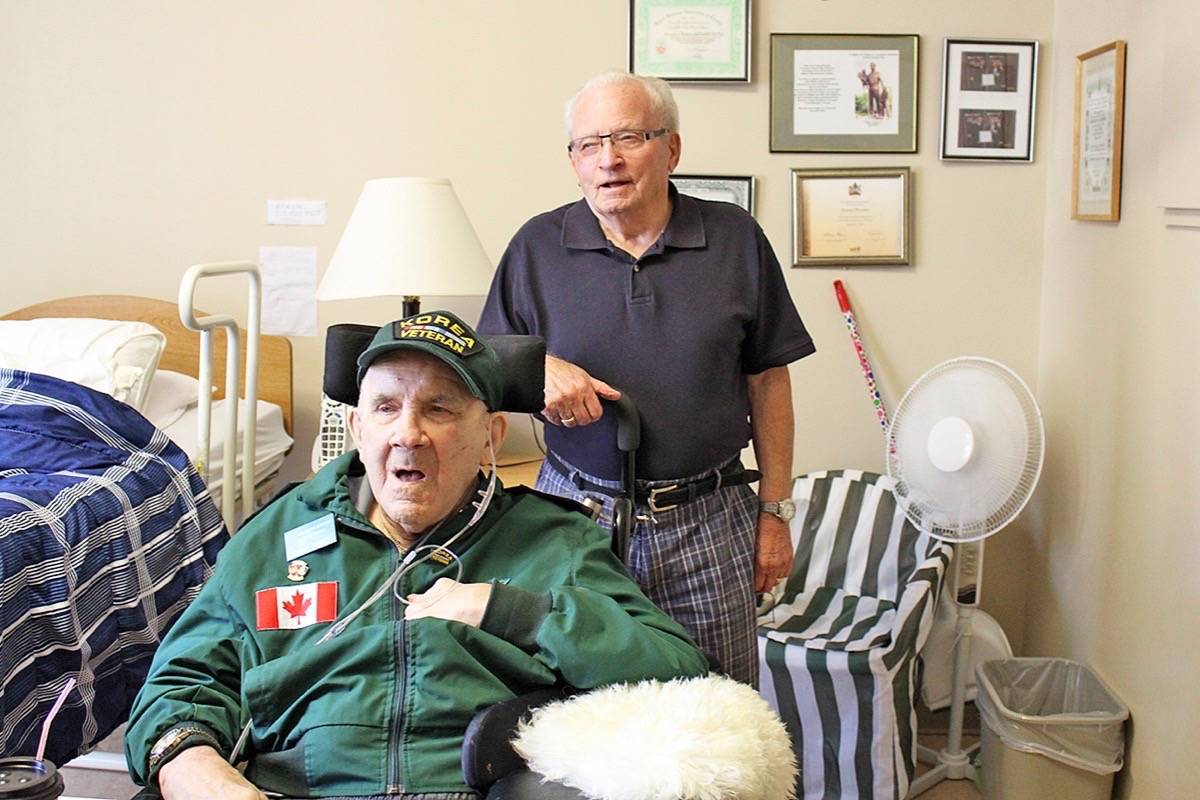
(487, 754)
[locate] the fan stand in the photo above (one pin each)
(953, 762)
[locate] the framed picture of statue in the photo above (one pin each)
(843, 93)
(989, 96)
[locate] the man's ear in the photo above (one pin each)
(497, 430)
(676, 148)
(354, 424)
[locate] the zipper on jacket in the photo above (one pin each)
(395, 748)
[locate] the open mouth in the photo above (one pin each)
(615, 184)
(408, 475)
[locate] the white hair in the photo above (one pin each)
(657, 91)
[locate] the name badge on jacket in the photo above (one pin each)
(310, 536)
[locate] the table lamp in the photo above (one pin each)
(407, 237)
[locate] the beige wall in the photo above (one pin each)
(1113, 579)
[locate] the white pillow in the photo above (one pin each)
(171, 395)
(114, 357)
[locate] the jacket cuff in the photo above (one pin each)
(515, 615)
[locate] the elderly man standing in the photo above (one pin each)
(682, 303)
(357, 623)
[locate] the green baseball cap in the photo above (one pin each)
(446, 336)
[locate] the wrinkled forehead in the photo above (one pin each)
(611, 106)
(416, 373)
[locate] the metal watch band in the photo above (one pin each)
(174, 739)
(783, 509)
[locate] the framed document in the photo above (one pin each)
(690, 40)
(847, 217)
(736, 189)
(989, 91)
(1099, 123)
(845, 93)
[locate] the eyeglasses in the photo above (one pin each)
(590, 146)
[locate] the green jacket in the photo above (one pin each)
(383, 707)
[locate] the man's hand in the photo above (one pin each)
(449, 599)
(772, 552)
(199, 773)
(572, 395)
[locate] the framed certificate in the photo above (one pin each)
(1099, 125)
(736, 189)
(989, 91)
(690, 40)
(847, 217)
(843, 93)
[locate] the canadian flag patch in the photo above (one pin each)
(291, 607)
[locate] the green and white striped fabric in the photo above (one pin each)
(838, 640)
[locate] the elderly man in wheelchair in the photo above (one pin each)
(354, 627)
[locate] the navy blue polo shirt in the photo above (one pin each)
(677, 329)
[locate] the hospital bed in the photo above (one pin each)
(107, 530)
(176, 410)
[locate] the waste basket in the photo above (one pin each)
(1051, 728)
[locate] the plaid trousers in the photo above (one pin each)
(695, 562)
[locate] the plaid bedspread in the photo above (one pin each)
(106, 534)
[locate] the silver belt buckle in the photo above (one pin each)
(652, 499)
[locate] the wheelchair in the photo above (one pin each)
(490, 766)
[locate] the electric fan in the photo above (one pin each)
(965, 448)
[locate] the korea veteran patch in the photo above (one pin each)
(443, 330)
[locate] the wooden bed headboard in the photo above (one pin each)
(182, 353)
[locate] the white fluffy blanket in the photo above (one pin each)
(691, 739)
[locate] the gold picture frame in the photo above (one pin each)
(852, 217)
(1098, 133)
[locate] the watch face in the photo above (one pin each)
(784, 509)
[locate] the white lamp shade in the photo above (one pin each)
(407, 236)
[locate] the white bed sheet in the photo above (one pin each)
(271, 441)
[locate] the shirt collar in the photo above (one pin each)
(685, 228)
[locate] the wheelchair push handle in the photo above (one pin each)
(629, 424)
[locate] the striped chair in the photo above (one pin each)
(838, 640)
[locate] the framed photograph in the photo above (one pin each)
(690, 40)
(847, 217)
(736, 189)
(989, 95)
(843, 93)
(1099, 123)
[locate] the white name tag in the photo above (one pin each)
(311, 536)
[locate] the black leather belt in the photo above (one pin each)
(665, 498)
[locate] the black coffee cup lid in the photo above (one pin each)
(26, 778)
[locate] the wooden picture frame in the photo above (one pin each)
(1098, 133)
(850, 217)
(692, 41)
(843, 93)
(736, 189)
(989, 99)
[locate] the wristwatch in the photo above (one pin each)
(171, 742)
(784, 509)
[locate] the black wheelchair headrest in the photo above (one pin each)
(523, 359)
